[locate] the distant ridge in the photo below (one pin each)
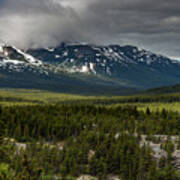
(165, 89)
(86, 69)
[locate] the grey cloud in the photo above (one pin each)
(137, 16)
(153, 24)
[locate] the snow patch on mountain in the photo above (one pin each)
(14, 59)
(28, 57)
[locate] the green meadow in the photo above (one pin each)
(23, 97)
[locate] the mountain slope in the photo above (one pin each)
(165, 89)
(86, 69)
(21, 70)
(128, 65)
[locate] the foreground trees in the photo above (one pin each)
(72, 140)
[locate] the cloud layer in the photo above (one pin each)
(153, 24)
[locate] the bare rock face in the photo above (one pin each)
(158, 152)
(113, 178)
(91, 154)
(86, 177)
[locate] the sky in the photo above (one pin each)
(149, 24)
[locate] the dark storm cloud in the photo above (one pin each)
(153, 24)
(135, 16)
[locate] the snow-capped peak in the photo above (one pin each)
(96, 59)
(13, 54)
(14, 59)
(122, 64)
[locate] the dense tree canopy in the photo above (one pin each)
(83, 139)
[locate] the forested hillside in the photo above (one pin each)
(47, 141)
(166, 89)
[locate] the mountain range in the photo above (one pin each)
(86, 69)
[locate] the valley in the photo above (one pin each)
(81, 111)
